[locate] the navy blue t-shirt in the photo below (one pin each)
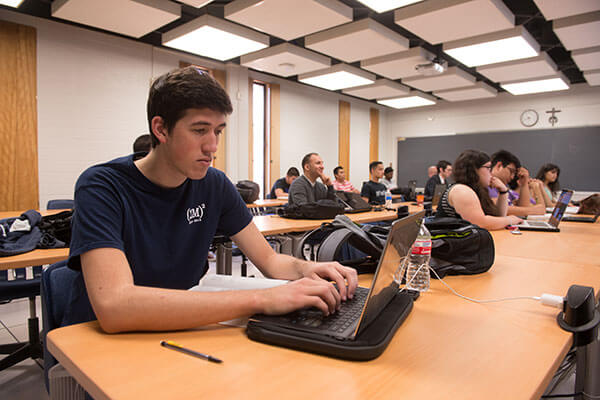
(164, 233)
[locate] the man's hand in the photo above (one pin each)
(522, 176)
(334, 271)
(298, 294)
(325, 179)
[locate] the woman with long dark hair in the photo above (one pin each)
(548, 175)
(469, 198)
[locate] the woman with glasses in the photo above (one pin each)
(469, 198)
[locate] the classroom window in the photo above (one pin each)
(260, 137)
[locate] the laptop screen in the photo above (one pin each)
(383, 288)
(561, 206)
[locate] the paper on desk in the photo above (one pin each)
(568, 210)
(218, 283)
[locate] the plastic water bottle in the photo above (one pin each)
(417, 272)
(388, 198)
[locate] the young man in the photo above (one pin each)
(388, 175)
(444, 170)
(142, 229)
(306, 189)
(373, 191)
(282, 185)
(507, 167)
(340, 182)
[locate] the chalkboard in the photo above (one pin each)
(575, 150)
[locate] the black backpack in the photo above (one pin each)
(320, 209)
(459, 247)
(365, 242)
(249, 190)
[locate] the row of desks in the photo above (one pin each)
(447, 347)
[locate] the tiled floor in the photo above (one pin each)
(25, 381)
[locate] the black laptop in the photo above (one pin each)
(353, 202)
(580, 218)
(437, 194)
(356, 314)
(557, 214)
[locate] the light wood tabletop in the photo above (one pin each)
(448, 348)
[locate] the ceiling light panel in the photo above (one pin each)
(382, 88)
(11, 3)
(196, 3)
(511, 44)
(289, 19)
(453, 77)
(587, 59)
(540, 85)
(215, 38)
(533, 67)
(285, 60)
(592, 77)
(387, 5)
(444, 20)
(340, 76)
(579, 31)
(414, 99)
(480, 90)
(116, 15)
(398, 65)
(553, 9)
(356, 41)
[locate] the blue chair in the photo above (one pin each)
(60, 204)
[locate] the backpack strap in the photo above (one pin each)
(330, 247)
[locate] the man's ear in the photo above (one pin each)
(158, 129)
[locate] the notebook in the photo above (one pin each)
(356, 314)
(557, 214)
(353, 202)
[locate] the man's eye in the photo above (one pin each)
(218, 132)
(200, 131)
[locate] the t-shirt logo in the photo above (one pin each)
(195, 214)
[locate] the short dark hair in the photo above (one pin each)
(505, 158)
(293, 171)
(142, 143)
(306, 159)
(442, 165)
(374, 165)
(173, 93)
(388, 169)
(337, 169)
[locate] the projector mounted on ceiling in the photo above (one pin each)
(435, 67)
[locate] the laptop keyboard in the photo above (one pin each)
(538, 224)
(337, 322)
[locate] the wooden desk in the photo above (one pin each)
(35, 257)
(447, 348)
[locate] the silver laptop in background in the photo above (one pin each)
(557, 214)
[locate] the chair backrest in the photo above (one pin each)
(60, 204)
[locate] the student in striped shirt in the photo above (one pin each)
(340, 183)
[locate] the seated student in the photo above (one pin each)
(507, 167)
(431, 171)
(388, 174)
(282, 185)
(469, 198)
(548, 175)
(340, 183)
(142, 229)
(306, 189)
(373, 191)
(444, 170)
(141, 145)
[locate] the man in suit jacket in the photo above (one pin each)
(444, 171)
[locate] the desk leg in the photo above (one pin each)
(224, 258)
(587, 377)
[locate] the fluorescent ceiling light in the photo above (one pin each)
(340, 76)
(511, 44)
(414, 100)
(215, 38)
(11, 3)
(387, 5)
(196, 3)
(548, 84)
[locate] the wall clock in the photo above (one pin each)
(529, 118)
